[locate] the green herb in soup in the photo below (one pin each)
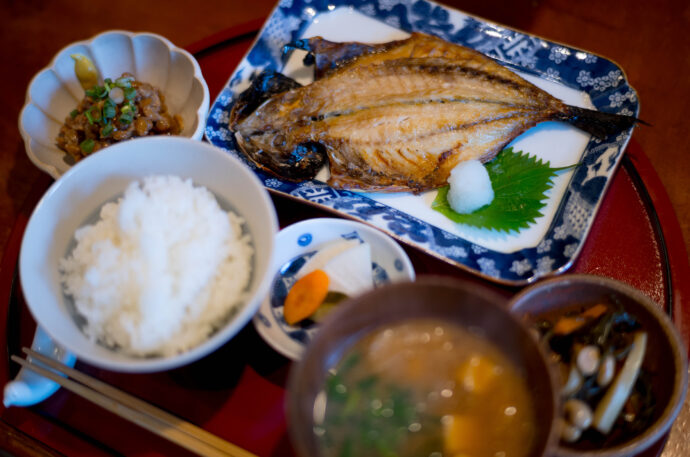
(425, 388)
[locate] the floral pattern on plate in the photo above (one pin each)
(600, 79)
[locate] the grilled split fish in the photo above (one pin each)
(396, 116)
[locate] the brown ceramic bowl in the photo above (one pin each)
(459, 302)
(666, 355)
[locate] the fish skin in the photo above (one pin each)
(396, 116)
(330, 55)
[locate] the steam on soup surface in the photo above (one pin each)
(425, 388)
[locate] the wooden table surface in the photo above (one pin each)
(649, 40)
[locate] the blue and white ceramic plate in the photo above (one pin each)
(547, 247)
(298, 243)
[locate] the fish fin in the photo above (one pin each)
(302, 44)
(306, 159)
(302, 162)
(347, 183)
(327, 55)
(267, 84)
(598, 123)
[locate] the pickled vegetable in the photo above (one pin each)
(305, 296)
(606, 393)
(85, 70)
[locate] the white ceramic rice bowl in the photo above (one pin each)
(80, 193)
(55, 91)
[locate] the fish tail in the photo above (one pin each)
(598, 123)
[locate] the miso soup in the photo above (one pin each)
(425, 388)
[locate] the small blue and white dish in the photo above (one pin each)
(295, 245)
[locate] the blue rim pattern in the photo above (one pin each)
(286, 277)
(601, 79)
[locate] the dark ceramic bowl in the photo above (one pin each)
(665, 357)
(458, 302)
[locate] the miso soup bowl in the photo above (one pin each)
(665, 357)
(466, 304)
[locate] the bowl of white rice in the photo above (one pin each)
(149, 255)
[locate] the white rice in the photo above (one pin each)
(161, 270)
(470, 187)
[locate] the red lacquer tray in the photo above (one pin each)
(238, 392)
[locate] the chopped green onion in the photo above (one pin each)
(107, 131)
(109, 110)
(74, 113)
(126, 118)
(117, 95)
(97, 92)
(87, 145)
(89, 116)
(130, 93)
(124, 82)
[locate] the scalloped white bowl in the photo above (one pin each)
(55, 91)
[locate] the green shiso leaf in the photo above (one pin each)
(520, 182)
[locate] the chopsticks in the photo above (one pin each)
(164, 424)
